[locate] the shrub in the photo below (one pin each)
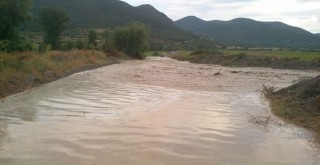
(241, 55)
(131, 39)
(267, 91)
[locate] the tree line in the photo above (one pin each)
(132, 39)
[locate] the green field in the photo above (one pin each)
(302, 55)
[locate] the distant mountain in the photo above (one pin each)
(112, 13)
(248, 32)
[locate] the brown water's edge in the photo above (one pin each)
(20, 84)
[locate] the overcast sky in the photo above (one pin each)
(301, 13)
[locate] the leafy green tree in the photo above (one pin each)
(12, 14)
(131, 39)
(92, 38)
(53, 21)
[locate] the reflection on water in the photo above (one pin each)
(3, 133)
(76, 121)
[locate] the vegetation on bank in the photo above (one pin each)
(131, 39)
(276, 59)
(22, 71)
(299, 104)
(25, 63)
(305, 55)
(12, 15)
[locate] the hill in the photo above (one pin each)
(248, 32)
(111, 13)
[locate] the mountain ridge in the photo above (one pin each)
(111, 13)
(249, 32)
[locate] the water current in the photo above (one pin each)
(80, 120)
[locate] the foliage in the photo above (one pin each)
(4, 44)
(88, 14)
(105, 36)
(92, 37)
(302, 55)
(44, 48)
(131, 39)
(69, 45)
(80, 44)
(251, 59)
(53, 23)
(12, 14)
(267, 91)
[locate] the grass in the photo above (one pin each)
(21, 71)
(267, 91)
(272, 59)
(299, 104)
(302, 55)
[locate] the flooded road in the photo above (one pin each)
(157, 111)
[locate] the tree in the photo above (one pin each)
(92, 38)
(12, 14)
(131, 39)
(53, 21)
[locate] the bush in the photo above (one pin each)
(241, 55)
(69, 45)
(131, 39)
(44, 48)
(80, 44)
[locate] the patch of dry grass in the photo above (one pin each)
(20, 71)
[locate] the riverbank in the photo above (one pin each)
(244, 59)
(23, 71)
(299, 104)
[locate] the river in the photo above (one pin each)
(156, 111)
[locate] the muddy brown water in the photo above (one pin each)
(157, 111)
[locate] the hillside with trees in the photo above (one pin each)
(250, 33)
(93, 14)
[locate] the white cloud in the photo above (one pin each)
(300, 13)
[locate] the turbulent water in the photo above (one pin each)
(84, 120)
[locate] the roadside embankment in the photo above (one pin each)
(22, 71)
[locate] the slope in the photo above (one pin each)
(248, 32)
(112, 13)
